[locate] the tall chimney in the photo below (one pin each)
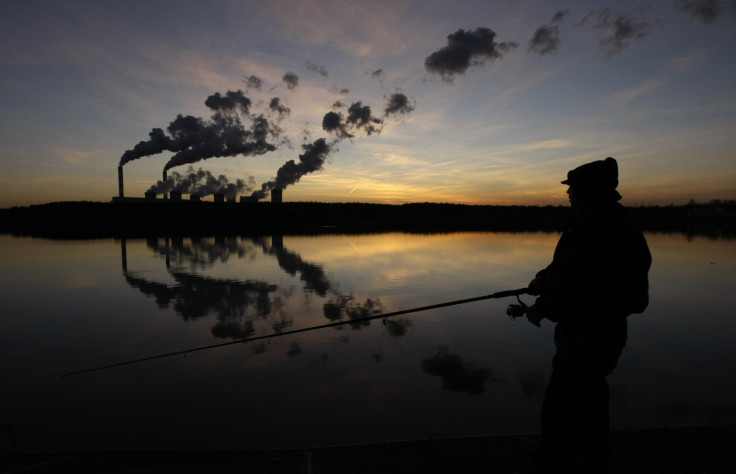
(120, 181)
(277, 195)
(166, 195)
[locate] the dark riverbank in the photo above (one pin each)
(140, 218)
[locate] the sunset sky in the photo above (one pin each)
(499, 98)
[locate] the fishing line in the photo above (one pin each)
(501, 294)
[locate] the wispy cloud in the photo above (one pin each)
(625, 97)
(542, 145)
(74, 157)
(688, 63)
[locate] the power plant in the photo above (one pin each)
(176, 194)
(277, 196)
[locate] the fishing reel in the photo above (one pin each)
(517, 310)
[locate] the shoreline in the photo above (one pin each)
(142, 218)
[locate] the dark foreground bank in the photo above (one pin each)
(701, 450)
(141, 218)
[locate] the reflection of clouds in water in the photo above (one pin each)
(237, 304)
(397, 328)
(457, 375)
(345, 306)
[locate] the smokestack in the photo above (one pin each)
(166, 195)
(120, 181)
(219, 197)
(277, 195)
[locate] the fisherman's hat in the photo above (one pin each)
(601, 175)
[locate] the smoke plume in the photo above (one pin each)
(359, 118)
(312, 66)
(276, 106)
(234, 129)
(398, 103)
(230, 102)
(465, 49)
(291, 172)
(193, 139)
(227, 136)
(291, 80)
(253, 82)
(546, 38)
(202, 183)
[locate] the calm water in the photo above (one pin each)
(458, 371)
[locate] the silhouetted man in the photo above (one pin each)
(597, 278)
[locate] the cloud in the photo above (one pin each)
(625, 97)
(707, 11)
(379, 75)
(688, 63)
(399, 160)
(546, 38)
(314, 67)
(616, 29)
(464, 49)
(542, 145)
(74, 157)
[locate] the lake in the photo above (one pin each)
(461, 370)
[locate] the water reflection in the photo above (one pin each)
(458, 375)
(195, 296)
(459, 371)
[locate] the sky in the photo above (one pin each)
(387, 101)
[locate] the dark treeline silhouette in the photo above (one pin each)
(140, 218)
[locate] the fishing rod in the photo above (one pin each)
(513, 311)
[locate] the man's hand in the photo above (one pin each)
(533, 315)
